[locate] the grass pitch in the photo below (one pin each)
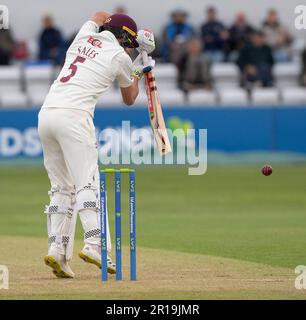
(231, 233)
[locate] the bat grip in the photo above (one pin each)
(145, 60)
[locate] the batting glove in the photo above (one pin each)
(146, 41)
(139, 66)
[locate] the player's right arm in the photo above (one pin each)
(146, 42)
(129, 94)
(128, 76)
(128, 83)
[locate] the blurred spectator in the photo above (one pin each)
(21, 51)
(303, 75)
(51, 43)
(256, 61)
(239, 35)
(121, 10)
(175, 36)
(278, 37)
(214, 36)
(194, 67)
(6, 47)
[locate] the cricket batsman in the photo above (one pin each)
(96, 58)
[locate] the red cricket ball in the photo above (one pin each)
(266, 170)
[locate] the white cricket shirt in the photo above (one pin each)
(93, 61)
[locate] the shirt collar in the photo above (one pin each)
(110, 36)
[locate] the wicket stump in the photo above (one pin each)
(118, 219)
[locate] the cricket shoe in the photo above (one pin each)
(91, 254)
(58, 263)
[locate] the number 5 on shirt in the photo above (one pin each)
(74, 68)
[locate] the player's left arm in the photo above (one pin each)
(93, 24)
(100, 17)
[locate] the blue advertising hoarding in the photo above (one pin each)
(229, 129)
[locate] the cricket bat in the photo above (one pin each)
(155, 109)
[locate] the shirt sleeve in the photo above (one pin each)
(124, 70)
(89, 26)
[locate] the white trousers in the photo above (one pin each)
(71, 159)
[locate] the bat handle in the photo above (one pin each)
(145, 60)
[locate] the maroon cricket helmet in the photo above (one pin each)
(126, 23)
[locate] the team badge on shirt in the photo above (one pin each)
(95, 42)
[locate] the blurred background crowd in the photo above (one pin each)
(253, 49)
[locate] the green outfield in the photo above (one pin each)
(231, 233)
